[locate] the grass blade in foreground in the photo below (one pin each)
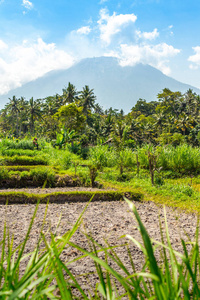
(176, 278)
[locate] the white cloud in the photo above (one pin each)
(84, 30)
(170, 28)
(27, 4)
(110, 25)
(3, 45)
(154, 55)
(195, 59)
(147, 35)
(102, 1)
(29, 61)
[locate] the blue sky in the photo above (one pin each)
(38, 36)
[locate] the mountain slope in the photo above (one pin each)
(114, 86)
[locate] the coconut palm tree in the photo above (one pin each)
(87, 100)
(34, 111)
(69, 94)
(14, 110)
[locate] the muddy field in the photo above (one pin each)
(105, 220)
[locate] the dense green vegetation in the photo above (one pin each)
(153, 149)
(76, 117)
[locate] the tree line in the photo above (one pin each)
(172, 119)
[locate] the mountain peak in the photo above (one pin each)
(115, 86)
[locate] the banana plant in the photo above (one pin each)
(65, 136)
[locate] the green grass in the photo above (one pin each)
(178, 192)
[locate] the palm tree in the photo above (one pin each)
(50, 106)
(87, 100)
(69, 94)
(14, 110)
(34, 112)
(23, 104)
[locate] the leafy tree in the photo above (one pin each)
(71, 117)
(144, 108)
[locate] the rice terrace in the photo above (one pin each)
(82, 194)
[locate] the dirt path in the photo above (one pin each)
(39, 190)
(105, 220)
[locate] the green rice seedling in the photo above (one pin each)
(164, 157)
(24, 160)
(59, 158)
(18, 152)
(43, 175)
(17, 144)
(24, 175)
